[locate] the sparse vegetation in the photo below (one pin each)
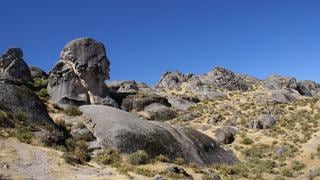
(139, 157)
(108, 156)
(72, 111)
(23, 135)
(77, 152)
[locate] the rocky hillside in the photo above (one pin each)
(219, 125)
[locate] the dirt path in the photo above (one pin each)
(26, 161)
(31, 162)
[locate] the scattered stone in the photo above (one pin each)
(159, 112)
(264, 122)
(178, 170)
(226, 135)
(158, 177)
(180, 104)
(190, 116)
(82, 134)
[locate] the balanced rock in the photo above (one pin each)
(78, 77)
(12, 64)
(127, 133)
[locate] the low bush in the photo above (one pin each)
(73, 111)
(24, 135)
(77, 151)
(139, 157)
(247, 141)
(108, 156)
(297, 165)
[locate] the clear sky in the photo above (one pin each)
(144, 38)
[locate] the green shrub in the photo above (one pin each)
(24, 135)
(56, 106)
(108, 156)
(297, 166)
(139, 157)
(43, 93)
(287, 173)
(77, 151)
(40, 83)
(73, 111)
(20, 116)
(247, 141)
(162, 158)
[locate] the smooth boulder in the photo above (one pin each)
(127, 133)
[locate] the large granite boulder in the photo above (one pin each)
(225, 79)
(265, 121)
(20, 101)
(277, 82)
(139, 101)
(159, 112)
(12, 64)
(78, 77)
(172, 80)
(127, 133)
(308, 88)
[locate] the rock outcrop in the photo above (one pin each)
(206, 86)
(78, 77)
(277, 82)
(308, 88)
(265, 121)
(37, 73)
(12, 64)
(18, 99)
(127, 133)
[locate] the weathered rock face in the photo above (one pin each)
(159, 112)
(37, 73)
(12, 64)
(206, 86)
(308, 88)
(180, 103)
(173, 80)
(140, 101)
(277, 82)
(17, 98)
(226, 135)
(225, 79)
(265, 121)
(78, 77)
(127, 133)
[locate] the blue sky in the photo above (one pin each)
(144, 38)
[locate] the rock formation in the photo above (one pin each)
(128, 133)
(37, 73)
(12, 64)
(16, 98)
(78, 77)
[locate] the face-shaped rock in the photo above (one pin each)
(78, 77)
